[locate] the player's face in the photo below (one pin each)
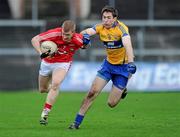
(108, 19)
(67, 36)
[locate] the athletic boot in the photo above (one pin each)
(74, 126)
(44, 118)
(124, 93)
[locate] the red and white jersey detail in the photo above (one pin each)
(66, 50)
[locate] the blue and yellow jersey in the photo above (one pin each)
(112, 39)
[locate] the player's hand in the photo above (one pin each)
(45, 54)
(86, 39)
(85, 46)
(131, 67)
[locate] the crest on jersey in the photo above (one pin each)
(71, 44)
(109, 36)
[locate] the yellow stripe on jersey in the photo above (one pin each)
(112, 39)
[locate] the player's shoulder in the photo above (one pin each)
(77, 35)
(58, 29)
(120, 23)
(54, 31)
(98, 26)
(77, 38)
(123, 28)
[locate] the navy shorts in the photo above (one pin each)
(117, 73)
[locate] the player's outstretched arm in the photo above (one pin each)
(86, 37)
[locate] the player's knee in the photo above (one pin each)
(43, 90)
(112, 104)
(92, 93)
(55, 86)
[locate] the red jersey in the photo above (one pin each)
(66, 50)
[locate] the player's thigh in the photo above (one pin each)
(119, 84)
(102, 78)
(44, 82)
(114, 96)
(97, 85)
(58, 76)
(120, 81)
(59, 72)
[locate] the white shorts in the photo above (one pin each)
(46, 68)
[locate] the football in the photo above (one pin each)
(48, 45)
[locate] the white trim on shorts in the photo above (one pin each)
(46, 68)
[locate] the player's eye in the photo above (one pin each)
(67, 35)
(106, 17)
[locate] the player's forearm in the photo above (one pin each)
(128, 46)
(89, 31)
(83, 32)
(130, 55)
(36, 44)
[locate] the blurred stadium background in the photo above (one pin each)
(154, 27)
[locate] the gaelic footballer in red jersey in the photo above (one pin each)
(54, 68)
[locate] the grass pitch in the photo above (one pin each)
(139, 115)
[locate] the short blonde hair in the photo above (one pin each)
(69, 25)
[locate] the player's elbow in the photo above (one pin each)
(126, 40)
(35, 39)
(43, 90)
(32, 40)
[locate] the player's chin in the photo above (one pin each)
(66, 40)
(107, 26)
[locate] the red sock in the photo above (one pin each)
(47, 106)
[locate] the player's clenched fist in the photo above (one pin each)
(45, 54)
(131, 67)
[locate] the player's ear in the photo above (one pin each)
(115, 18)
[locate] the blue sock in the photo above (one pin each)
(79, 119)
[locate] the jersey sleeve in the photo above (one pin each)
(94, 27)
(124, 29)
(97, 28)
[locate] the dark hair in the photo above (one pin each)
(69, 25)
(110, 9)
